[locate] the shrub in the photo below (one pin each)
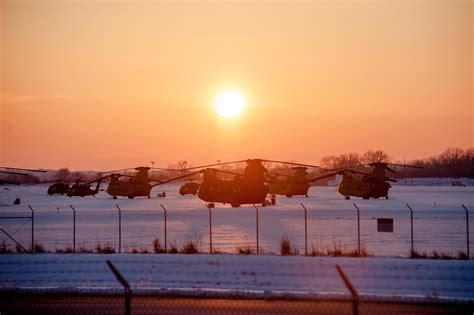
(216, 251)
(415, 254)
(244, 250)
(335, 250)
(18, 249)
(191, 246)
(37, 248)
(446, 256)
(315, 251)
(355, 252)
(83, 249)
(286, 247)
(106, 249)
(173, 248)
(462, 255)
(157, 248)
(143, 250)
(66, 250)
(4, 248)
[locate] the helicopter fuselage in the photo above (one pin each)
(364, 188)
(233, 192)
(82, 190)
(288, 189)
(128, 189)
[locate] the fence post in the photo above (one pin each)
(210, 229)
(305, 231)
(467, 231)
(32, 229)
(126, 286)
(352, 290)
(164, 209)
(256, 216)
(411, 228)
(73, 229)
(120, 228)
(358, 228)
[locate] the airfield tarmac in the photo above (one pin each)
(439, 221)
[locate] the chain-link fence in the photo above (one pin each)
(418, 230)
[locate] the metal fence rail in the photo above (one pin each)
(307, 226)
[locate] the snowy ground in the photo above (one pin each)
(254, 276)
(439, 221)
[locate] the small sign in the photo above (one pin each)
(385, 225)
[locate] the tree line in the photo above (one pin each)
(453, 162)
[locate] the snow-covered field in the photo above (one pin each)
(439, 220)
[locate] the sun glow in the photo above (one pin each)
(229, 104)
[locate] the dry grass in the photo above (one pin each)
(287, 248)
(157, 248)
(191, 246)
(244, 250)
(106, 249)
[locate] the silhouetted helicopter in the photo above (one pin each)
(369, 185)
(84, 189)
(189, 188)
(295, 185)
(137, 185)
(246, 188)
(14, 171)
(60, 188)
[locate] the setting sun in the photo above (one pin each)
(229, 104)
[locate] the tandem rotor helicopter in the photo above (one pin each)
(138, 185)
(297, 184)
(369, 185)
(250, 187)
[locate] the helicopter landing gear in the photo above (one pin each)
(114, 197)
(211, 205)
(347, 198)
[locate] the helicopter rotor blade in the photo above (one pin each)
(210, 165)
(406, 165)
(292, 163)
(23, 169)
(114, 171)
(120, 175)
(176, 178)
(342, 168)
(321, 177)
(226, 172)
(13, 173)
(3, 181)
(169, 169)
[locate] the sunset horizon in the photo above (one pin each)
(100, 85)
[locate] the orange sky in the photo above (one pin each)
(100, 85)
